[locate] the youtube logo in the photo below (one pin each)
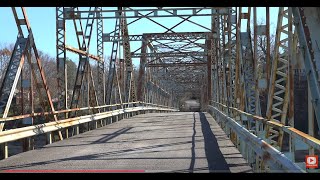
(312, 161)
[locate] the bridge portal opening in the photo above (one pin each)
(190, 103)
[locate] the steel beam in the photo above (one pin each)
(134, 13)
(100, 52)
(307, 27)
(83, 38)
(81, 52)
(179, 64)
(170, 54)
(129, 84)
(112, 66)
(142, 71)
(61, 57)
(278, 97)
(161, 36)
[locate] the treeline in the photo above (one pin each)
(49, 66)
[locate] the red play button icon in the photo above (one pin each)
(312, 161)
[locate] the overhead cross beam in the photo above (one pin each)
(157, 13)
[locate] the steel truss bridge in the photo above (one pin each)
(221, 66)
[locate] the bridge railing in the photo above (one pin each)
(254, 146)
(118, 112)
(130, 104)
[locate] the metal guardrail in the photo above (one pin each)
(34, 130)
(248, 142)
(242, 137)
(309, 140)
(77, 109)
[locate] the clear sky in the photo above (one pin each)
(43, 24)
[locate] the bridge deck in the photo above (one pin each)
(156, 142)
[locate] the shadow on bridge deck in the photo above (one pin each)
(171, 142)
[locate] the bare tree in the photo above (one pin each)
(262, 48)
(262, 60)
(5, 54)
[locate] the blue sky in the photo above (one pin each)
(42, 20)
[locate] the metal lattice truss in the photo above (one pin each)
(23, 49)
(220, 63)
(239, 79)
(178, 64)
(278, 98)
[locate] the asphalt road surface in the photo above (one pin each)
(154, 142)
